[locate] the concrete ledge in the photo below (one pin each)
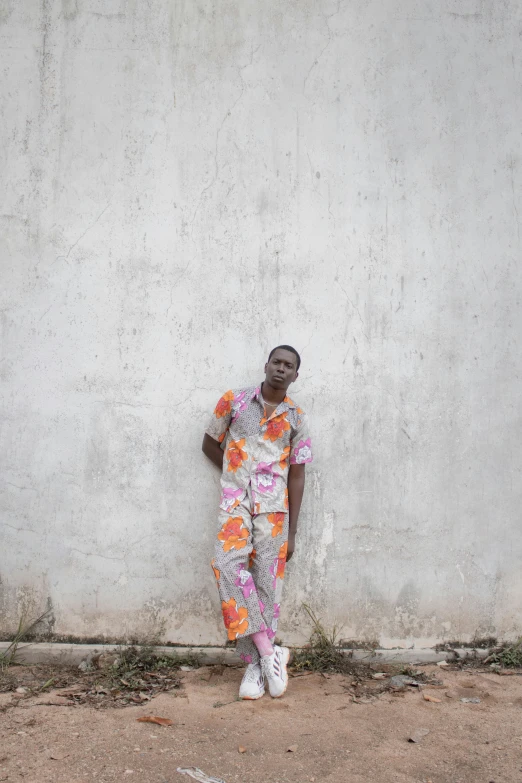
(75, 653)
(421, 655)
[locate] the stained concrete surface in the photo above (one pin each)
(186, 185)
(31, 653)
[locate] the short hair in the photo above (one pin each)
(286, 348)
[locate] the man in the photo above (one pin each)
(259, 439)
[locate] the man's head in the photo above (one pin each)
(282, 366)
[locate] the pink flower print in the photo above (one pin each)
(245, 582)
(273, 571)
(239, 404)
(231, 497)
(265, 478)
(302, 452)
(270, 633)
(246, 658)
(277, 609)
(261, 606)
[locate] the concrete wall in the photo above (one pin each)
(186, 184)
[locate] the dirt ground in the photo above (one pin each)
(336, 736)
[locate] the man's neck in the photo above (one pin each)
(271, 395)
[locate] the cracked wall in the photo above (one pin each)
(186, 185)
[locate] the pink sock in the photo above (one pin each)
(263, 643)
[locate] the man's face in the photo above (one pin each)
(281, 369)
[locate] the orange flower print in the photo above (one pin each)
(236, 621)
(283, 460)
(233, 534)
(289, 401)
(224, 405)
(222, 437)
(236, 455)
(217, 572)
(251, 559)
(286, 497)
(276, 427)
(281, 560)
(277, 519)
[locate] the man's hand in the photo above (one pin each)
(291, 547)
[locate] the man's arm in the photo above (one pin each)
(296, 483)
(212, 449)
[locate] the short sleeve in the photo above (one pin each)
(220, 419)
(301, 443)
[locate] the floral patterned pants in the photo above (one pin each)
(249, 566)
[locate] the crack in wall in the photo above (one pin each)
(326, 19)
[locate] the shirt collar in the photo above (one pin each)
(287, 401)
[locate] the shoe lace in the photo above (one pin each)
(267, 665)
(253, 673)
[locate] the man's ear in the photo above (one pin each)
(266, 365)
(296, 376)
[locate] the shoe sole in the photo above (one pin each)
(252, 698)
(285, 661)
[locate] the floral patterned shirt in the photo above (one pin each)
(258, 451)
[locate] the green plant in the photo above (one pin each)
(23, 630)
(323, 652)
(483, 642)
(133, 661)
(508, 655)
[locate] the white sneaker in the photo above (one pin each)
(253, 683)
(274, 669)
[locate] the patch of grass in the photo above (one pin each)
(136, 660)
(508, 655)
(483, 642)
(408, 671)
(116, 678)
(135, 665)
(324, 653)
(8, 681)
(218, 704)
(415, 674)
(108, 682)
(359, 644)
(24, 629)
(450, 645)
(477, 643)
